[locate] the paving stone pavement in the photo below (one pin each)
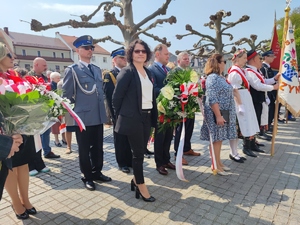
(263, 190)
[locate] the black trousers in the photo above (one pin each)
(90, 149)
(162, 143)
(189, 128)
(138, 143)
(122, 150)
(271, 113)
(258, 111)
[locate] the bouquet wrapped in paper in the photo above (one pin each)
(178, 99)
(28, 107)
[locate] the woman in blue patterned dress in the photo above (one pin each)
(219, 96)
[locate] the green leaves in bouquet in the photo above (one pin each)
(170, 112)
(23, 113)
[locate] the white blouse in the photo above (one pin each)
(147, 90)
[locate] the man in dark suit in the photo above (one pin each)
(268, 58)
(122, 147)
(163, 139)
(83, 86)
(183, 61)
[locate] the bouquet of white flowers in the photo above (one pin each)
(178, 99)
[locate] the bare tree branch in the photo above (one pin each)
(37, 26)
(189, 28)
(156, 38)
(107, 6)
(216, 23)
(232, 24)
(230, 36)
(170, 20)
(108, 38)
(129, 29)
(161, 11)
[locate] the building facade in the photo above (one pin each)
(59, 52)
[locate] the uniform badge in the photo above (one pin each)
(106, 80)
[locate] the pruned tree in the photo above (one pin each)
(130, 30)
(207, 44)
(261, 46)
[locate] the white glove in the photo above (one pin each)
(241, 109)
(268, 101)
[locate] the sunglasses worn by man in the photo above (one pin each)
(88, 48)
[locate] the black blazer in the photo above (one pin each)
(159, 77)
(127, 101)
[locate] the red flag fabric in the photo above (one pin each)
(275, 46)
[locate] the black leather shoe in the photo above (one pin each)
(162, 170)
(149, 152)
(292, 119)
(31, 211)
(259, 144)
(170, 165)
(124, 169)
(51, 155)
(264, 137)
(89, 185)
(22, 216)
(249, 153)
(102, 178)
(235, 159)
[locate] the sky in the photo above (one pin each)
(193, 12)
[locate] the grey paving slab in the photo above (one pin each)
(263, 190)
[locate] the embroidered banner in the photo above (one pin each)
(289, 89)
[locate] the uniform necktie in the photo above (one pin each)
(164, 68)
(90, 68)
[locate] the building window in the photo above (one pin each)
(93, 58)
(27, 67)
(39, 53)
(54, 55)
(57, 68)
(62, 55)
(105, 59)
(23, 52)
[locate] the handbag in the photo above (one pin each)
(225, 114)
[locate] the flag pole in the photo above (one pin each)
(285, 28)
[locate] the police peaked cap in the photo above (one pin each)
(118, 52)
(85, 40)
(267, 53)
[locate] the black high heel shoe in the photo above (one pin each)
(133, 186)
(31, 211)
(138, 194)
(22, 216)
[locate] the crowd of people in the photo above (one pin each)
(239, 106)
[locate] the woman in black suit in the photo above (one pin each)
(135, 107)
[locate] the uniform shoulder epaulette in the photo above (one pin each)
(73, 65)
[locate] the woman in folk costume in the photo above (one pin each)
(246, 116)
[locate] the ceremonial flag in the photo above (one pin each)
(289, 89)
(275, 46)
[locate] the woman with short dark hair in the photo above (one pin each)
(135, 109)
(219, 98)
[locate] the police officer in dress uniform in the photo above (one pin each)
(122, 147)
(268, 58)
(83, 86)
